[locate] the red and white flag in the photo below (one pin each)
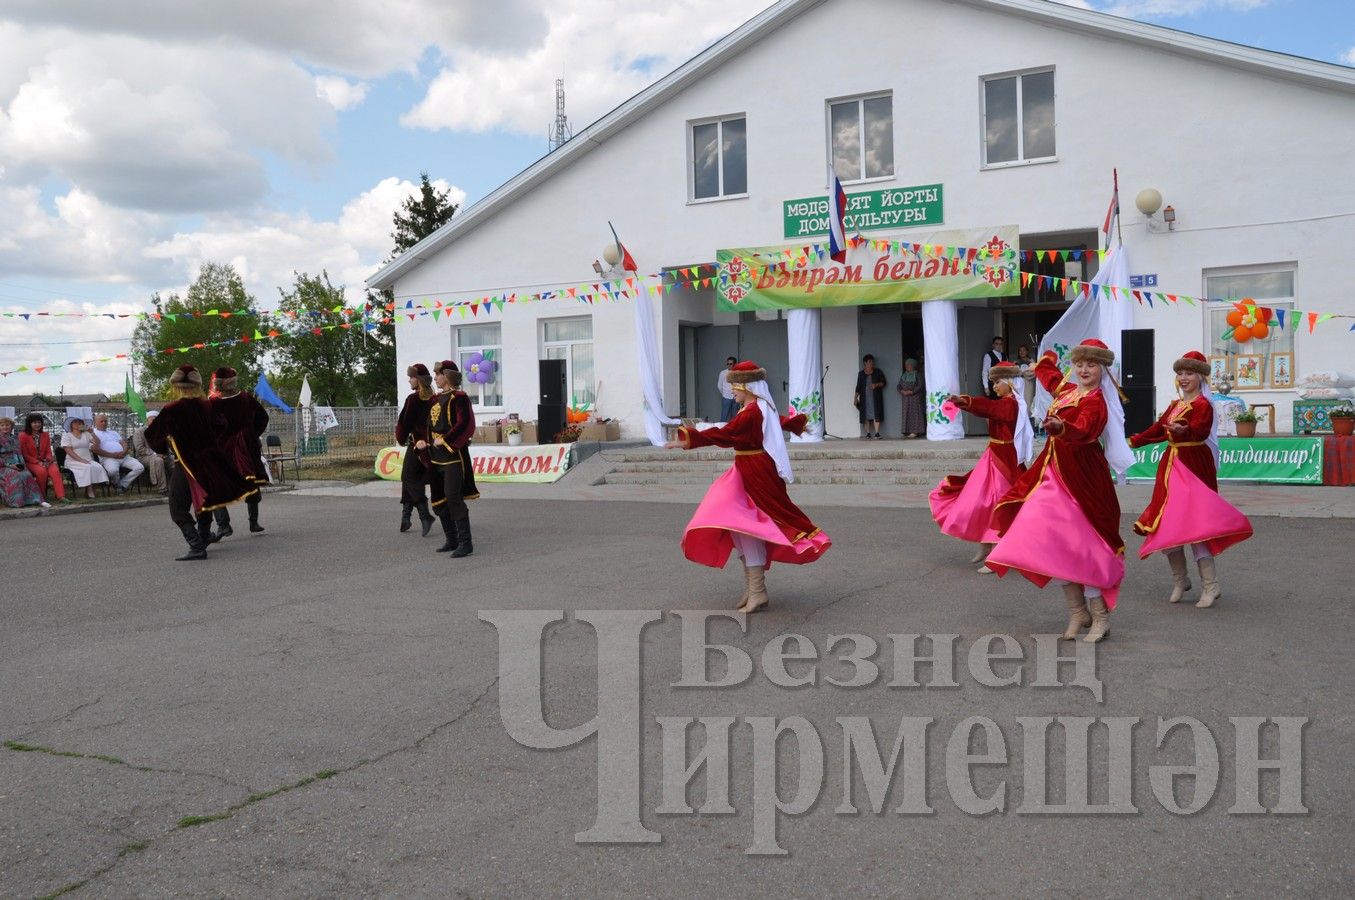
(1114, 209)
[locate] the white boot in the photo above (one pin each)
(1210, 593)
(1100, 620)
(757, 589)
(1180, 574)
(1078, 617)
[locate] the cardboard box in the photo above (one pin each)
(487, 434)
(529, 433)
(600, 431)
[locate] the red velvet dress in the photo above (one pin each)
(245, 420)
(749, 499)
(1075, 532)
(962, 505)
(190, 429)
(1185, 506)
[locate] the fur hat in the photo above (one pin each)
(186, 375)
(1004, 369)
(745, 372)
(1192, 361)
(445, 366)
(418, 370)
(1093, 350)
(226, 378)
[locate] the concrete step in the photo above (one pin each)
(797, 455)
(880, 478)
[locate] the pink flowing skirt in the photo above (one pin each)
(965, 514)
(1194, 514)
(727, 509)
(1051, 538)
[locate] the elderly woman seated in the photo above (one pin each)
(79, 446)
(18, 487)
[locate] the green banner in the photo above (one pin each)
(876, 271)
(867, 211)
(1272, 459)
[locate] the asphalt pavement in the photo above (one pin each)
(315, 711)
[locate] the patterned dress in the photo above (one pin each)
(18, 487)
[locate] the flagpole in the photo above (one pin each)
(1119, 235)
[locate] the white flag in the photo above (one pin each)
(304, 402)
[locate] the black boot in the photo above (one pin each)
(405, 510)
(425, 517)
(205, 531)
(196, 548)
(448, 529)
(463, 545)
(254, 525)
(223, 526)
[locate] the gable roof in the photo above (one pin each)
(1313, 73)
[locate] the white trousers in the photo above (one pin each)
(114, 466)
(1088, 590)
(753, 550)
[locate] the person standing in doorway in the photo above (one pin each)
(729, 407)
(870, 396)
(995, 354)
(911, 389)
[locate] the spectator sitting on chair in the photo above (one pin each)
(112, 454)
(18, 487)
(154, 462)
(78, 444)
(729, 407)
(36, 448)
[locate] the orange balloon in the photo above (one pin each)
(1242, 334)
(1235, 317)
(1260, 331)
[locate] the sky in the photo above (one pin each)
(142, 138)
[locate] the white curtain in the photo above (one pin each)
(651, 368)
(804, 334)
(941, 338)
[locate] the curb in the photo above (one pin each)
(33, 512)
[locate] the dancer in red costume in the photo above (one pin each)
(747, 507)
(1186, 507)
(1061, 520)
(962, 505)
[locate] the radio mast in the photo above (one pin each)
(559, 129)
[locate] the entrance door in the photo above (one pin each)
(765, 344)
(978, 326)
(714, 344)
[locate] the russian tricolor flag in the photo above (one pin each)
(837, 208)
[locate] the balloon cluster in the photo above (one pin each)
(479, 368)
(1248, 322)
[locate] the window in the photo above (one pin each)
(861, 133)
(1018, 118)
(1252, 362)
(720, 159)
(572, 341)
(486, 341)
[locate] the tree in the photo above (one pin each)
(329, 356)
(182, 324)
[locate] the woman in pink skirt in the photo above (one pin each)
(962, 505)
(747, 508)
(1186, 507)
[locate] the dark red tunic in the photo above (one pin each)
(1001, 415)
(764, 485)
(451, 425)
(245, 419)
(413, 421)
(191, 430)
(1198, 415)
(1078, 455)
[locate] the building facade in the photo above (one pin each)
(1015, 111)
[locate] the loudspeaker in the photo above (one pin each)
(553, 381)
(1139, 413)
(1136, 357)
(550, 420)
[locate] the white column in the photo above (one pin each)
(941, 343)
(804, 334)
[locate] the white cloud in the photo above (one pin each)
(605, 50)
(81, 238)
(1348, 58)
(339, 92)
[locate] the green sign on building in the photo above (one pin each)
(1295, 460)
(867, 211)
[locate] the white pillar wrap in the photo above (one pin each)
(941, 341)
(651, 367)
(804, 335)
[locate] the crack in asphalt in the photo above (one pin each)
(38, 726)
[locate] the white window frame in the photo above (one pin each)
(1288, 303)
(860, 101)
(477, 395)
(569, 348)
(720, 165)
(1020, 160)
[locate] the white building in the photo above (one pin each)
(1018, 109)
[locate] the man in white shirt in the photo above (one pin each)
(991, 358)
(112, 454)
(728, 408)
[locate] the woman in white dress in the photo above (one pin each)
(80, 458)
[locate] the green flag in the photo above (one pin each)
(134, 401)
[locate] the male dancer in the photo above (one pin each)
(189, 430)
(451, 423)
(245, 420)
(410, 428)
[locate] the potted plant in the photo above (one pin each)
(512, 429)
(569, 435)
(1342, 420)
(1246, 422)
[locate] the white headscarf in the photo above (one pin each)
(1024, 439)
(773, 440)
(1118, 453)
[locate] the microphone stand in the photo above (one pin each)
(823, 405)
